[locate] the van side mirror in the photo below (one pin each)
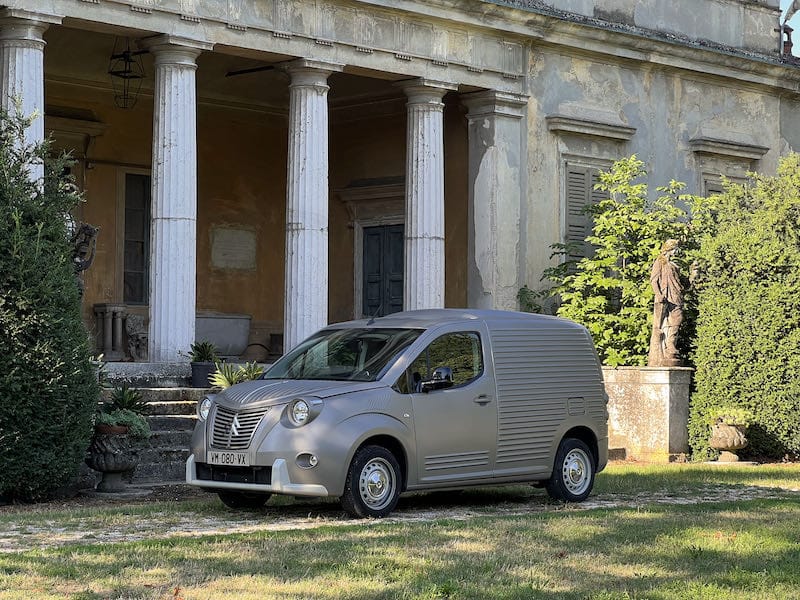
(441, 378)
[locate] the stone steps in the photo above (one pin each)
(171, 413)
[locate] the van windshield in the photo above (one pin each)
(344, 354)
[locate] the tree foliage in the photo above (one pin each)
(48, 389)
(748, 329)
(610, 291)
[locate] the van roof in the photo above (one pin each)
(423, 319)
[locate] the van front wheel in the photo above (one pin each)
(573, 472)
(373, 483)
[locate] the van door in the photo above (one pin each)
(456, 427)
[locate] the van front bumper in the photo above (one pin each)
(279, 482)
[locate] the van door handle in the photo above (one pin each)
(483, 399)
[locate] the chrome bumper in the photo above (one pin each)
(280, 484)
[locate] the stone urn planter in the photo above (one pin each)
(112, 454)
(727, 438)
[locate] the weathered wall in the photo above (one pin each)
(648, 411)
(666, 107)
(746, 24)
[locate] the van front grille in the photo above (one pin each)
(232, 429)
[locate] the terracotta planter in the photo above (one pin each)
(726, 439)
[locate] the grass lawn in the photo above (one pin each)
(675, 531)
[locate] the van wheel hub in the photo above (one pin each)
(576, 471)
(376, 483)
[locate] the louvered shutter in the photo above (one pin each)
(580, 193)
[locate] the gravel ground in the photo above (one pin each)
(22, 534)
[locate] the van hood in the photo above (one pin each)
(279, 391)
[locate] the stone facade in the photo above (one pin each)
(296, 121)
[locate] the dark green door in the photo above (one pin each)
(383, 270)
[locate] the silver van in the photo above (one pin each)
(418, 400)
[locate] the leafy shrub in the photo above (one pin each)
(203, 351)
(748, 329)
(610, 292)
(137, 425)
(228, 374)
(48, 385)
(126, 398)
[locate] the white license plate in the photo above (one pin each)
(230, 459)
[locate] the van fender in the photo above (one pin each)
(362, 427)
(587, 424)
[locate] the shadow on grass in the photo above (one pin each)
(739, 549)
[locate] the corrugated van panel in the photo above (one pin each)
(538, 369)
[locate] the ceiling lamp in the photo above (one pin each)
(127, 72)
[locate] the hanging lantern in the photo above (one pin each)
(127, 72)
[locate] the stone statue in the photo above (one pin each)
(137, 337)
(667, 308)
(84, 243)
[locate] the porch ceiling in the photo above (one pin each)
(81, 57)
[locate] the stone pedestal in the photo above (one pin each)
(648, 412)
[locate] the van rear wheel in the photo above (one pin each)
(573, 472)
(373, 483)
(240, 500)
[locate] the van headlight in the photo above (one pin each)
(299, 412)
(203, 408)
(302, 411)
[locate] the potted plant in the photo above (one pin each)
(227, 375)
(203, 358)
(728, 430)
(116, 425)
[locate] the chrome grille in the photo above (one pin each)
(234, 429)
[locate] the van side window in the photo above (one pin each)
(459, 351)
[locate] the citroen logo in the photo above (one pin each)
(235, 426)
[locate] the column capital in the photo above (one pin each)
(493, 102)
(309, 72)
(25, 25)
(173, 49)
(425, 91)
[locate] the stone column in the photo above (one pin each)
(173, 229)
(424, 249)
(497, 160)
(306, 278)
(22, 69)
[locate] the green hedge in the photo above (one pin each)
(748, 328)
(48, 389)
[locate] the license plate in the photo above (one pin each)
(229, 459)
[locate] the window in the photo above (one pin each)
(137, 238)
(580, 193)
(461, 352)
(344, 354)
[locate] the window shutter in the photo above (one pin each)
(580, 193)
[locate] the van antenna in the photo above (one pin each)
(375, 314)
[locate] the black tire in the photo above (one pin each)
(243, 500)
(573, 472)
(373, 483)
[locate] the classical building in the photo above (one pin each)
(307, 161)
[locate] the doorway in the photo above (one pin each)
(382, 270)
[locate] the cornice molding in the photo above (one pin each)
(727, 148)
(562, 124)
